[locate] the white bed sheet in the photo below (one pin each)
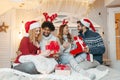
(11, 74)
(112, 75)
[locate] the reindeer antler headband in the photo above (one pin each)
(51, 18)
(64, 22)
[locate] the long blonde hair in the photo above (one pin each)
(33, 37)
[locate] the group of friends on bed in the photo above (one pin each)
(65, 49)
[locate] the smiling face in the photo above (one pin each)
(37, 31)
(80, 28)
(65, 30)
(46, 31)
(47, 28)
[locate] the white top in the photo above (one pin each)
(46, 40)
(62, 49)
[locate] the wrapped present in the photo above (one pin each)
(62, 69)
(80, 46)
(89, 57)
(53, 46)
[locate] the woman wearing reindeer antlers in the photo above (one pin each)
(29, 45)
(66, 41)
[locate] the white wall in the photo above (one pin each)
(6, 39)
(107, 2)
(112, 37)
(98, 14)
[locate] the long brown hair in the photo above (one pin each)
(60, 34)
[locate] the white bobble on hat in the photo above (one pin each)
(34, 25)
(31, 25)
(87, 23)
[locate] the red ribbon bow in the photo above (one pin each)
(61, 66)
(53, 46)
(80, 46)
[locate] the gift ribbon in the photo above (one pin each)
(53, 46)
(62, 67)
(80, 42)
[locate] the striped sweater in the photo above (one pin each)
(95, 43)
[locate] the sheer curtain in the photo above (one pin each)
(79, 7)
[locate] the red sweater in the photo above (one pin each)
(27, 48)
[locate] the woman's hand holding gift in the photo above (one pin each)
(66, 45)
(45, 53)
(54, 47)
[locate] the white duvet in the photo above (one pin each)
(43, 65)
(11, 74)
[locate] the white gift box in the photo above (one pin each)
(62, 69)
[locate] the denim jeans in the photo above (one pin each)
(66, 57)
(27, 67)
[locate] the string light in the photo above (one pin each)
(21, 30)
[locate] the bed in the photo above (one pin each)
(112, 74)
(102, 73)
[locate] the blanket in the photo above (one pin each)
(43, 65)
(11, 74)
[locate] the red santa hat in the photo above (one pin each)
(88, 23)
(31, 25)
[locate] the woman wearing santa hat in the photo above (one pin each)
(32, 58)
(29, 45)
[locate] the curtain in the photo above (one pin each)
(80, 7)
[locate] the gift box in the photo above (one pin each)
(53, 46)
(80, 46)
(62, 69)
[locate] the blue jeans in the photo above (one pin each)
(66, 57)
(82, 55)
(27, 67)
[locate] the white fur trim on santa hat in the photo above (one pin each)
(85, 23)
(34, 25)
(26, 34)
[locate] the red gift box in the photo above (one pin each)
(80, 46)
(53, 46)
(62, 69)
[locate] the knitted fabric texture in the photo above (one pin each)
(95, 43)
